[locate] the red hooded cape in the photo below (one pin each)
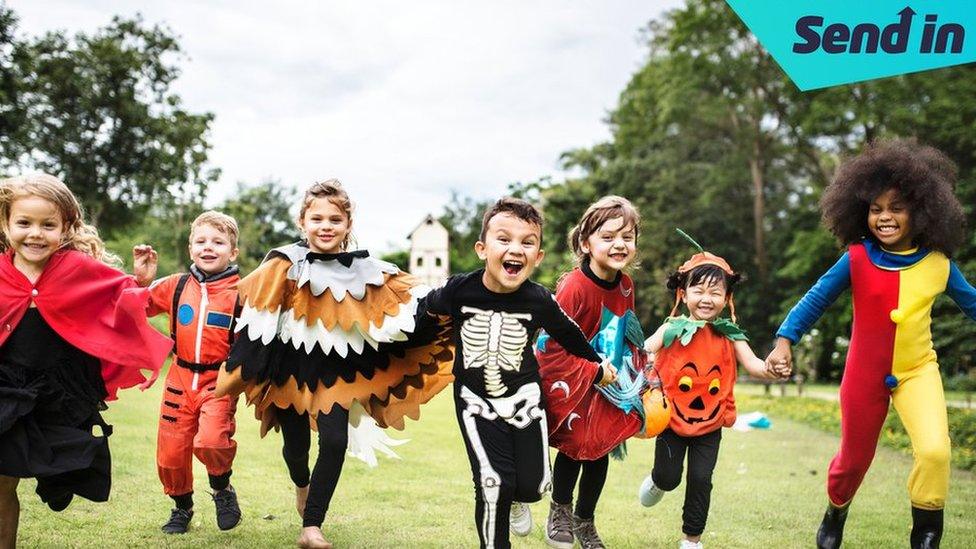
(95, 308)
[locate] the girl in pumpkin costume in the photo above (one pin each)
(895, 208)
(586, 421)
(330, 340)
(696, 357)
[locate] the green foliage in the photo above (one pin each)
(965, 382)
(166, 227)
(400, 258)
(263, 214)
(462, 218)
(12, 111)
(710, 136)
(103, 118)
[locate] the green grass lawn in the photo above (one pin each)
(769, 492)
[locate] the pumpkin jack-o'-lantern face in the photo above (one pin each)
(697, 394)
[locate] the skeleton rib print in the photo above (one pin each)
(494, 341)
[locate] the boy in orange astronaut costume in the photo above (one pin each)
(201, 305)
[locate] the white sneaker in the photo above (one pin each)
(520, 519)
(685, 544)
(649, 494)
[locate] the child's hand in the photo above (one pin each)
(780, 360)
(609, 373)
(782, 369)
(145, 261)
(647, 346)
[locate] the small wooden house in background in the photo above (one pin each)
(429, 244)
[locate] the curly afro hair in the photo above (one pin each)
(924, 177)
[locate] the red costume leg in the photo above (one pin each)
(863, 408)
(177, 427)
(214, 445)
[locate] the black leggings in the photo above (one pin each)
(669, 457)
(333, 439)
(565, 472)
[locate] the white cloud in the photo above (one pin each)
(401, 100)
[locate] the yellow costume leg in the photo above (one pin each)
(921, 406)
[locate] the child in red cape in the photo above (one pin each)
(73, 331)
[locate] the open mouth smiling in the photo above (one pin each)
(513, 267)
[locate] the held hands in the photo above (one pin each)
(609, 373)
(145, 261)
(779, 363)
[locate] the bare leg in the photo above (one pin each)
(301, 496)
(9, 512)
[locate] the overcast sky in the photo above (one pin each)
(402, 101)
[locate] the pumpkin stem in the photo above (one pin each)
(690, 239)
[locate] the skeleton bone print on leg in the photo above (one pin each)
(494, 341)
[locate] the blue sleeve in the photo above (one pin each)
(961, 291)
(805, 313)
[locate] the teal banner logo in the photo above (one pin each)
(821, 43)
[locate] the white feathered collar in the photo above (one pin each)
(343, 273)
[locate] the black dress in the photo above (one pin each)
(50, 397)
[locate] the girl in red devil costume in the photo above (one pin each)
(585, 422)
(696, 357)
(72, 332)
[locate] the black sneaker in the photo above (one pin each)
(179, 522)
(228, 511)
(61, 503)
(926, 528)
(831, 530)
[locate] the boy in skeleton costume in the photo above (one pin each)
(496, 313)
(328, 338)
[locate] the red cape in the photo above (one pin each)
(95, 308)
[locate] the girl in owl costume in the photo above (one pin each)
(329, 340)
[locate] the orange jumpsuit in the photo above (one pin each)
(191, 420)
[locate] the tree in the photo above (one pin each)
(100, 114)
(462, 219)
(265, 218)
(12, 114)
(711, 137)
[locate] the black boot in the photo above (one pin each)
(832, 528)
(926, 528)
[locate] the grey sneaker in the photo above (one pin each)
(649, 494)
(520, 519)
(559, 527)
(586, 534)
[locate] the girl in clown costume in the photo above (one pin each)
(587, 421)
(894, 207)
(696, 357)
